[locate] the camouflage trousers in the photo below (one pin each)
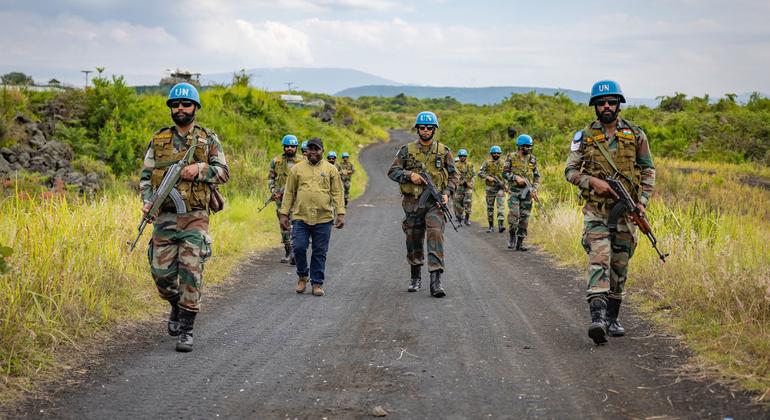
(179, 247)
(426, 224)
(495, 196)
(285, 233)
(608, 254)
(463, 200)
(519, 210)
(346, 188)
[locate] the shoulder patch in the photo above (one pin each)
(578, 136)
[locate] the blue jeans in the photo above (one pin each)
(301, 233)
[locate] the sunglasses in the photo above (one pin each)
(426, 127)
(610, 102)
(185, 104)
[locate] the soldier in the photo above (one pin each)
(609, 146)
(313, 196)
(492, 172)
(180, 243)
(523, 179)
(346, 173)
(332, 158)
(424, 155)
(304, 148)
(276, 180)
(463, 197)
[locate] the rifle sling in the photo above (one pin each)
(608, 156)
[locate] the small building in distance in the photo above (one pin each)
(295, 100)
(181, 76)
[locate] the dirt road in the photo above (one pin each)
(509, 341)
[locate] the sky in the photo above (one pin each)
(651, 47)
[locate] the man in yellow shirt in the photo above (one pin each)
(313, 195)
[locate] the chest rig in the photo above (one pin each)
(596, 164)
(430, 162)
(196, 195)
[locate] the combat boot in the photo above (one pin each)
(500, 226)
(467, 221)
(435, 285)
(173, 317)
(598, 329)
(459, 220)
(614, 328)
(511, 238)
(520, 244)
(491, 227)
(415, 282)
(292, 261)
(301, 284)
(186, 320)
(286, 258)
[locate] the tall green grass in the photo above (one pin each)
(714, 289)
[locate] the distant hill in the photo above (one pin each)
(478, 96)
(320, 80)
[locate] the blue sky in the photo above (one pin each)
(652, 48)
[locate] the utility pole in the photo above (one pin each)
(289, 85)
(86, 72)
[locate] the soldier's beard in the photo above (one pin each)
(182, 118)
(289, 154)
(607, 116)
(426, 138)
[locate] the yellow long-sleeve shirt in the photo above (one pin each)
(313, 193)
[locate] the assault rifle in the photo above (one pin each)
(432, 192)
(530, 190)
(627, 206)
(500, 184)
(267, 202)
(166, 189)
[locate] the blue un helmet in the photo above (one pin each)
(462, 153)
(495, 149)
(426, 118)
(345, 155)
(290, 140)
(524, 140)
(331, 154)
(184, 91)
(304, 145)
(604, 88)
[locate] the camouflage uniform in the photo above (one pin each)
(180, 244)
(520, 197)
(419, 221)
(463, 197)
(608, 255)
(494, 192)
(276, 180)
(346, 172)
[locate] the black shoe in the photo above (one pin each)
(287, 249)
(491, 227)
(186, 320)
(292, 261)
(598, 328)
(500, 227)
(173, 317)
(614, 328)
(467, 222)
(520, 244)
(435, 285)
(511, 239)
(415, 284)
(459, 221)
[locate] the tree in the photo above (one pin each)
(241, 78)
(17, 78)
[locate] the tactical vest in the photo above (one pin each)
(523, 167)
(195, 194)
(596, 165)
(494, 168)
(345, 167)
(283, 165)
(465, 169)
(432, 163)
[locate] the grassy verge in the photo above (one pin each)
(714, 289)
